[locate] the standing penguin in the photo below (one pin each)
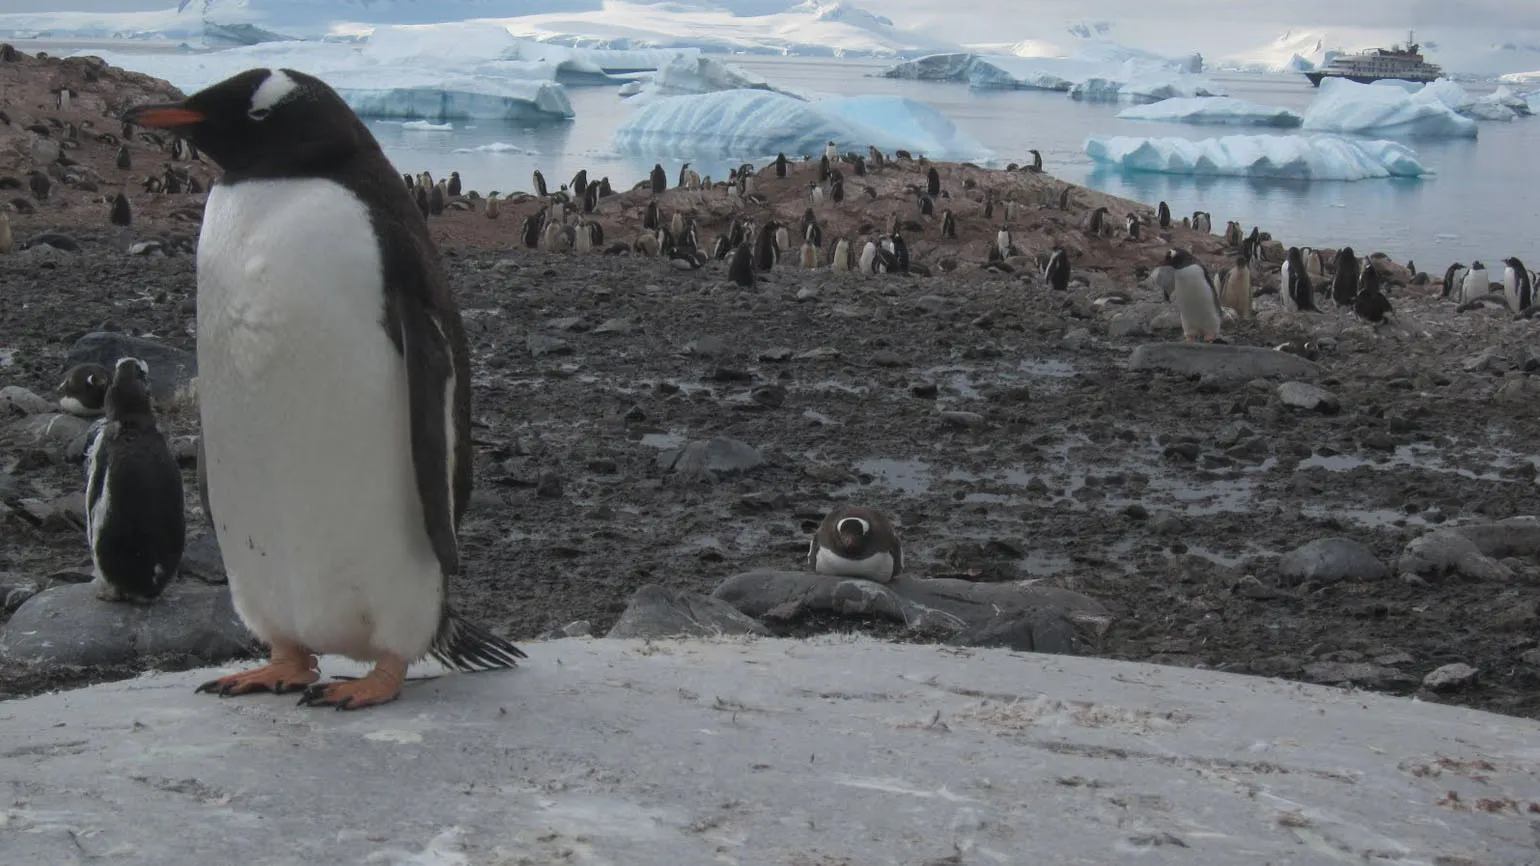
(134, 510)
(840, 261)
(780, 165)
(932, 182)
(741, 269)
(659, 179)
(1186, 282)
(1131, 223)
(540, 187)
(454, 184)
(1476, 283)
(1454, 280)
(125, 159)
(1235, 288)
(492, 210)
(856, 542)
(121, 214)
(1370, 304)
(1344, 281)
(948, 225)
(7, 240)
(330, 350)
(1516, 285)
(1163, 216)
(1056, 272)
(1294, 283)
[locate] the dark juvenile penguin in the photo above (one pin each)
(1037, 161)
(1517, 289)
(121, 214)
(580, 181)
(40, 185)
(330, 354)
(932, 182)
(1344, 282)
(1163, 216)
(900, 253)
(540, 187)
(780, 165)
(134, 511)
(1294, 283)
(125, 160)
(1370, 304)
(823, 168)
(1369, 278)
(659, 179)
(1056, 272)
(531, 229)
(856, 542)
(454, 184)
(1454, 280)
(765, 252)
(84, 390)
(1132, 224)
(741, 269)
(948, 224)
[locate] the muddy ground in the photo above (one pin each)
(1167, 498)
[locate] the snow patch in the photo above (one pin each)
(1294, 157)
(1213, 110)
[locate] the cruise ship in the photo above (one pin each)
(1378, 64)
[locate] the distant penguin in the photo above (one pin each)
(651, 219)
(1037, 161)
(1132, 225)
(1296, 292)
(780, 165)
(868, 260)
(1344, 282)
(178, 150)
(948, 225)
(121, 214)
(1235, 288)
(741, 269)
(172, 184)
(454, 184)
(1163, 216)
(856, 542)
(64, 99)
(676, 224)
(1203, 222)
(932, 182)
(1064, 198)
(1056, 271)
(1368, 278)
(841, 257)
(1003, 242)
(859, 166)
(492, 211)
(435, 199)
(40, 184)
(659, 179)
(823, 169)
(1454, 281)
(540, 188)
(808, 258)
(7, 240)
(1232, 234)
(1186, 282)
(837, 189)
(1517, 288)
(1411, 267)
(1370, 304)
(83, 393)
(135, 518)
(814, 193)
(1476, 284)
(125, 159)
(900, 250)
(591, 198)
(782, 239)
(831, 153)
(1097, 223)
(764, 249)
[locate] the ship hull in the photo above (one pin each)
(1317, 77)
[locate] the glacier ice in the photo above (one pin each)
(1216, 110)
(1092, 80)
(1291, 157)
(691, 72)
(1344, 106)
(757, 123)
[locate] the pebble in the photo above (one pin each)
(1311, 398)
(966, 420)
(1450, 677)
(1330, 560)
(776, 355)
(615, 326)
(540, 345)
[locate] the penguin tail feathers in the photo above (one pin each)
(465, 646)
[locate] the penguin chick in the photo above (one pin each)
(84, 390)
(854, 541)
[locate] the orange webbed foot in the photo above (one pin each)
(380, 686)
(289, 670)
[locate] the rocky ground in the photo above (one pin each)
(997, 420)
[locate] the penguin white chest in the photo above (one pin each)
(1197, 304)
(306, 419)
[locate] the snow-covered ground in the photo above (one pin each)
(753, 124)
(1216, 110)
(1292, 157)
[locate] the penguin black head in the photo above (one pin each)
(263, 122)
(1178, 259)
(129, 393)
(84, 390)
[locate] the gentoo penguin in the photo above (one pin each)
(492, 210)
(1369, 278)
(1295, 290)
(831, 153)
(676, 223)
(868, 259)
(1097, 223)
(765, 252)
(540, 188)
(659, 179)
(1454, 281)
(330, 353)
(1163, 216)
(121, 214)
(134, 512)
(84, 390)
(841, 258)
(454, 184)
(1235, 288)
(927, 206)
(652, 220)
(1344, 282)
(1056, 271)
(814, 193)
(1370, 304)
(125, 159)
(780, 165)
(856, 542)
(531, 229)
(932, 182)
(900, 251)
(1037, 162)
(948, 224)
(580, 182)
(741, 269)
(1132, 225)
(1003, 242)
(1476, 283)
(1516, 285)
(837, 189)
(437, 198)
(40, 184)
(1186, 282)
(823, 168)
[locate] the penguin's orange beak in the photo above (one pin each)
(170, 116)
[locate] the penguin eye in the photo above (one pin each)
(259, 113)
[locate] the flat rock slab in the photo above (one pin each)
(69, 627)
(1221, 361)
(1472, 550)
(656, 611)
(1013, 615)
(770, 752)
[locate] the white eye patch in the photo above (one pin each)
(277, 87)
(860, 523)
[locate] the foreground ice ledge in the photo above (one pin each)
(772, 751)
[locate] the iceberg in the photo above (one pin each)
(1290, 157)
(1213, 110)
(1081, 78)
(1344, 106)
(756, 123)
(691, 72)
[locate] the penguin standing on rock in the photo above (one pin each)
(1344, 281)
(134, 511)
(659, 179)
(932, 182)
(1056, 272)
(330, 353)
(1186, 283)
(856, 542)
(1294, 283)
(1476, 284)
(1517, 289)
(1235, 288)
(780, 165)
(1370, 304)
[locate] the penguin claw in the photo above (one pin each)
(278, 678)
(380, 686)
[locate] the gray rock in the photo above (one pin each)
(711, 458)
(171, 369)
(1018, 615)
(1450, 677)
(1311, 398)
(575, 324)
(1228, 362)
(65, 513)
(1127, 324)
(1363, 674)
(965, 420)
(52, 431)
(69, 627)
(655, 612)
(1459, 550)
(203, 560)
(15, 589)
(615, 326)
(1330, 560)
(541, 345)
(16, 400)
(776, 354)
(1076, 339)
